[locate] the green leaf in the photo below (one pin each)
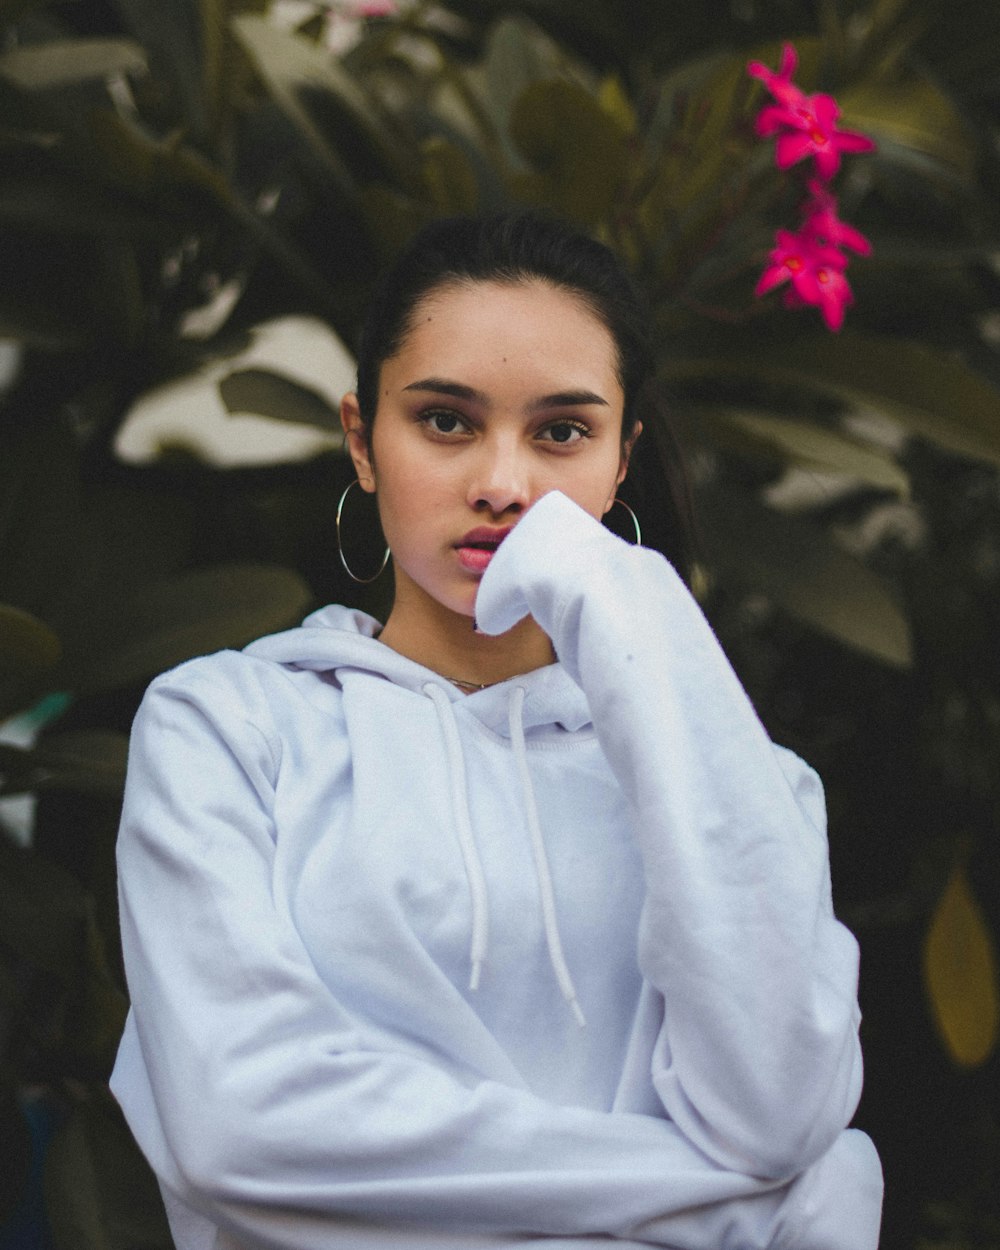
(914, 115)
(100, 1193)
(393, 218)
(296, 72)
(214, 38)
(579, 152)
(803, 444)
(67, 62)
(171, 35)
(61, 204)
(962, 974)
(25, 642)
(88, 761)
(700, 160)
(932, 395)
(188, 615)
(268, 394)
(185, 184)
(449, 178)
(28, 650)
(797, 566)
(517, 55)
(614, 100)
(153, 166)
(891, 28)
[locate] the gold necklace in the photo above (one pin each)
(470, 685)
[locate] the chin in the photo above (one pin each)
(467, 608)
(460, 603)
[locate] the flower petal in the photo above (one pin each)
(820, 196)
(772, 118)
(773, 276)
(826, 110)
(827, 160)
(786, 239)
(853, 141)
(847, 236)
(791, 148)
(834, 296)
(806, 286)
(780, 84)
(833, 311)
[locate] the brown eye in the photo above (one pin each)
(441, 421)
(564, 432)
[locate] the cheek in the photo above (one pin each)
(408, 494)
(595, 489)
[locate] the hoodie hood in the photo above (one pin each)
(336, 638)
(530, 707)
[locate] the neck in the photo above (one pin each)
(447, 643)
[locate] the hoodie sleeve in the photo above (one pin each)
(758, 1060)
(266, 1107)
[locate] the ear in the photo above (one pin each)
(625, 458)
(357, 441)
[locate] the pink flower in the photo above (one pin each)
(815, 273)
(780, 84)
(811, 261)
(821, 224)
(806, 125)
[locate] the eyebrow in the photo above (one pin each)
(561, 399)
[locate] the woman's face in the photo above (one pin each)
(499, 394)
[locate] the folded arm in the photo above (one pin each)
(758, 1061)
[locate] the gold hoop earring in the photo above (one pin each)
(635, 519)
(340, 546)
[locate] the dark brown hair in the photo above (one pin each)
(524, 246)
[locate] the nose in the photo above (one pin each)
(501, 478)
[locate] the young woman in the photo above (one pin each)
(502, 924)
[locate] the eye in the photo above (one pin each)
(442, 421)
(564, 432)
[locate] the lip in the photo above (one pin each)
(472, 553)
(484, 534)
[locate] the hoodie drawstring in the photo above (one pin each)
(556, 956)
(463, 824)
(470, 855)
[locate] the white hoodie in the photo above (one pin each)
(364, 915)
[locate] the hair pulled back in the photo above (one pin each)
(526, 246)
(507, 248)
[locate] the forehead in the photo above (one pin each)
(474, 322)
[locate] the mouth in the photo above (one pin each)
(478, 547)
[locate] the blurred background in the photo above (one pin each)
(195, 196)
